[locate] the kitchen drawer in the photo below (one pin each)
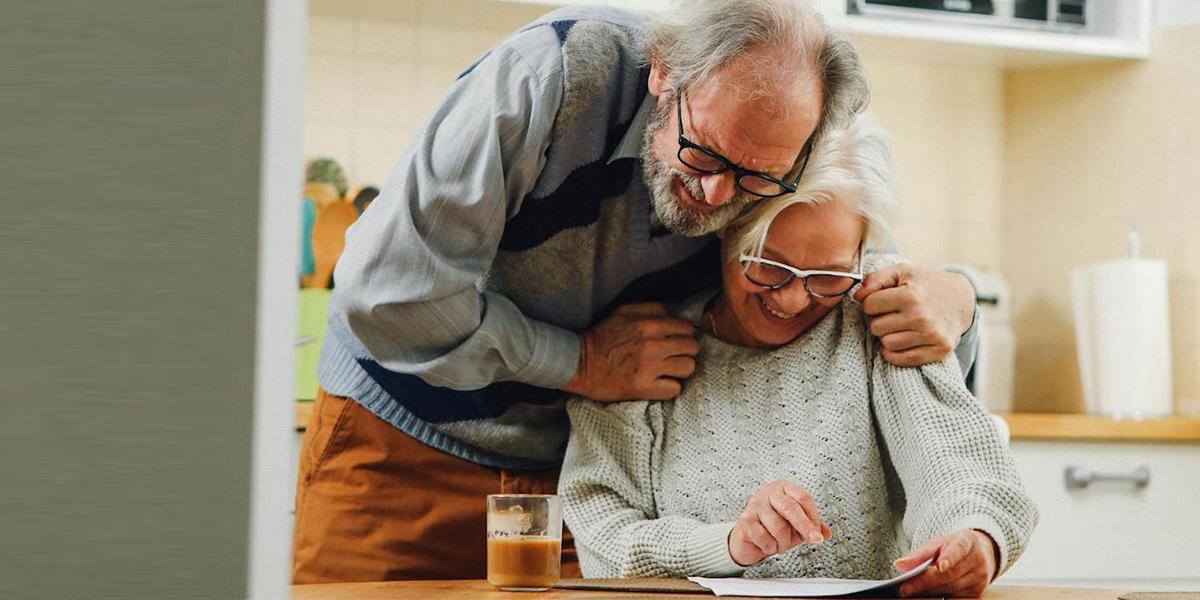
(1111, 530)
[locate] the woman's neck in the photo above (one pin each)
(720, 322)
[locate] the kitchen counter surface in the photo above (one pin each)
(1095, 428)
(400, 590)
(1041, 426)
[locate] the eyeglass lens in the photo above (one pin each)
(704, 162)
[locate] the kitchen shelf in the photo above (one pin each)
(1119, 30)
(1095, 428)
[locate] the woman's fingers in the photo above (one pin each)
(804, 520)
(959, 567)
(780, 516)
(970, 585)
(955, 551)
(806, 500)
(758, 535)
(925, 552)
(776, 525)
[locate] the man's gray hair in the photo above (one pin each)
(851, 165)
(696, 37)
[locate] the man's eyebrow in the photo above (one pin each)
(701, 139)
(777, 173)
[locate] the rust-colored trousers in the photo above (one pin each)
(375, 504)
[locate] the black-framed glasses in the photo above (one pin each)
(822, 284)
(707, 161)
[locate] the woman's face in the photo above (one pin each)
(808, 237)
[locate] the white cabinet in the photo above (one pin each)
(1118, 29)
(1112, 532)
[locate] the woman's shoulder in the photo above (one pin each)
(874, 261)
(628, 412)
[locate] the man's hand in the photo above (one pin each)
(780, 516)
(640, 352)
(965, 565)
(918, 314)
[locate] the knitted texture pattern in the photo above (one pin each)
(893, 457)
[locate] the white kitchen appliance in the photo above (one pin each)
(991, 377)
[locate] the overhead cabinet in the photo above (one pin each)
(1007, 37)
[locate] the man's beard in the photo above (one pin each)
(660, 177)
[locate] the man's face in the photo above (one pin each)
(764, 134)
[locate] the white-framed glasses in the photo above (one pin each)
(775, 275)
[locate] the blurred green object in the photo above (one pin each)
(327, 170)
(314, 307)
(308, 217)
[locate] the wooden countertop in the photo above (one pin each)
(421, 590)
(1094, 428)
(1041, 426)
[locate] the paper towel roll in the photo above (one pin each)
(1123, 337)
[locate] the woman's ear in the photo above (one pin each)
(658, 79)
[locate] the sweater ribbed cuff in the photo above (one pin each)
(707, 549)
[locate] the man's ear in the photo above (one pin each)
(658, 79)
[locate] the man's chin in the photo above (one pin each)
(682, 221)
(679, 218)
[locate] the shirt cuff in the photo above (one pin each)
(707, 549)
(555, 357)
(968, 345)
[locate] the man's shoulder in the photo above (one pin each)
(564, 20)
(572, 37)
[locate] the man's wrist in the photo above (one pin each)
(970, 294)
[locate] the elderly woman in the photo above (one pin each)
(795, 450)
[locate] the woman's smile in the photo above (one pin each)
(779, 314)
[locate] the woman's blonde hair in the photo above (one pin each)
(851, 165)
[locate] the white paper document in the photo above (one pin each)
(801, 587)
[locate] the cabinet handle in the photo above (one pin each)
(1078, 478)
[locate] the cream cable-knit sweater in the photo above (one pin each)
(893, 456)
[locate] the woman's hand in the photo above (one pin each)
(965, 565)
(780, 516)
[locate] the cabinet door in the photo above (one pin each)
(1111, 530)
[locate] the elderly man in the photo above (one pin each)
(521, 249)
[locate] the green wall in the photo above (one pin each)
(129, 172)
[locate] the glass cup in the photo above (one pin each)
(524, 541)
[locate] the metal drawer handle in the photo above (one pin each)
(1078, 478)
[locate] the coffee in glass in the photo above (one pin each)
(524, 541)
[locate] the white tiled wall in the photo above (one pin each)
(377, 68)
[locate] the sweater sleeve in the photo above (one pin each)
(607, 488)
(956, 471)
(407, 281)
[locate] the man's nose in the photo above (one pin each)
(718, 188)
(792, 298)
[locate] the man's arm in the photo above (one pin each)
(406, 283)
